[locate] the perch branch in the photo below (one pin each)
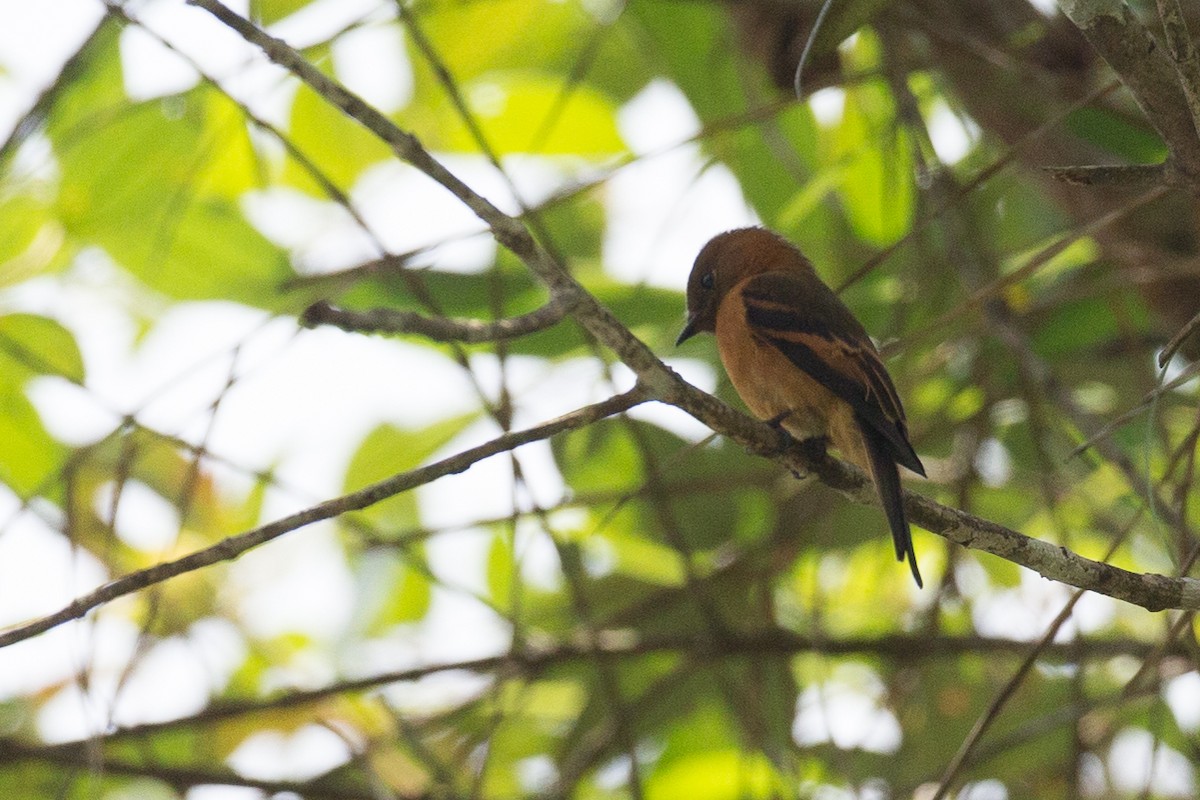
(659, 382)
(1133, 176)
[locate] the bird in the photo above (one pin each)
(800, 359)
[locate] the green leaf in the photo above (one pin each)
(30, 239)
(32, 345)
(608, 457)
(599, 458)
(338, 146)
(732, 774)
(1113, 132)
(389, 450)
(30, 456)
(510, 26)
(878, 189)
(158, 186)
(512, 108)
(697, 50)
(390, 592)
(266, 12)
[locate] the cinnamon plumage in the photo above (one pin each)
(797, 355)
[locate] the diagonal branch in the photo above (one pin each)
(234, 546)
(1183, 54)
(657, 381)
(1142, 64)
(531, 663)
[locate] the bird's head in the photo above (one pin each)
(728, 259)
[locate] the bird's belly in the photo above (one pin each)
(773, 387)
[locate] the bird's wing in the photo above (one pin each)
(808, 324)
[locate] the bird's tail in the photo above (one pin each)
(887, 483)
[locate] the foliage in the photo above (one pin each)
(634, 610)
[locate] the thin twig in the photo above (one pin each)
(1178, 339)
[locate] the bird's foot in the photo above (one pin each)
(785, 438)
(815, 447)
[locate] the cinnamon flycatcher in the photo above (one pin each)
(797, 356)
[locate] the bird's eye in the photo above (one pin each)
(706, 280)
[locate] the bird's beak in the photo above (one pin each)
(689, 330)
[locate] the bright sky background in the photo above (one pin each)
(662, 209)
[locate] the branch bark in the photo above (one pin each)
(440, 329)
(1142, 64)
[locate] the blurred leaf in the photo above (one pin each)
(1076, 326)
(389, 450)
(30, 240)
(266, 12)
(338, 146)
(511, 109)
(1117, 134)
(731, 774)
(558, 29)
(29, 455)
(878, 188)
(599, 458)
(390, 592)
(157, 185)
(32, 345)
(696, 49)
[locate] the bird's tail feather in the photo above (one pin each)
(887, 482)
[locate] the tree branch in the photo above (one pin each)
(1183, 54)
(1153, 592)
(531, 662)
(1135, 55)
(80, 757)
(1129, 176)
(440, 329)
(234, 546)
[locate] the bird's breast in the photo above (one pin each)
(768, 383)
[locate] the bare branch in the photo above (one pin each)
(441, 329)
(507, 230)
(80, 756)
(1183, 54)
(1178, 339)
(1132, 51)
(234, 546)
(1128, 176)
(531, 662)
(1183, 377)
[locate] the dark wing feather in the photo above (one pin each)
(808, 324)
